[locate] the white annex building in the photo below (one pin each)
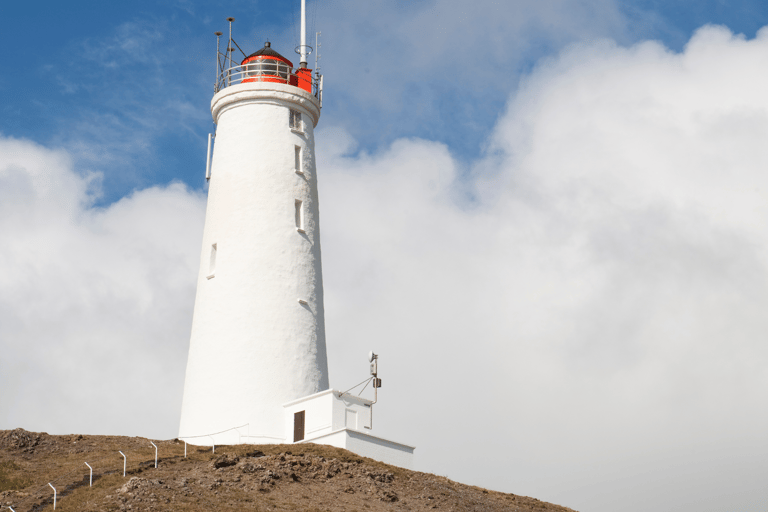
(257, 370)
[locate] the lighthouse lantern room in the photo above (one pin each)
(257, 369)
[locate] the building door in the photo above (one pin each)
(298, 426)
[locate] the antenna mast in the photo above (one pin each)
(219, 69)
(229, 52)
(303, 62)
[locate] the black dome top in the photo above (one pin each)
(267, 51)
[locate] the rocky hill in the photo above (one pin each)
(305, 477)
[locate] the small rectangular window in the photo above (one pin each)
(212, 262)
(294, 119)
(299, 216)
(297, 160)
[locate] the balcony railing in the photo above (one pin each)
(271, 71)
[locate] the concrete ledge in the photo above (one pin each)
(261, 92)
(367, 445)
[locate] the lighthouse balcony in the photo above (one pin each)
(271, 71)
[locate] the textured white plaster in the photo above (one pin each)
(253, 346)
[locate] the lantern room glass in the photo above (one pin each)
(268, 67)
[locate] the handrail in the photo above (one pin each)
(272, 71)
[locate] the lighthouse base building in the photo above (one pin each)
(329, 417)
(257, 369)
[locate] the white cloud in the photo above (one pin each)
(582, 321)
(449, 44)
(95, 303)
(591, 330)
(395, 68)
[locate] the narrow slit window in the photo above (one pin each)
(297, 160)
(212, 262)
(294, 119)
(299, 216)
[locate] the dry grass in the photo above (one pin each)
(12, 477)
(303, 477)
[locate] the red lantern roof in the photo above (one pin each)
(266, 53)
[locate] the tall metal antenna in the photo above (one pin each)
(317, 52)
(218, 60)
(229, 49)
(303, 62)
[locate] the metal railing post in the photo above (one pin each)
(54, 496)
(125, 461)
(90, 483)
(153, 444)
(213, 444)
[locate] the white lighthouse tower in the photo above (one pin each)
(257, 369)
(258, 333)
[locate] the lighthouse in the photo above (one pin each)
(258, 332)
(257, 369)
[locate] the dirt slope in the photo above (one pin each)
(305, 477)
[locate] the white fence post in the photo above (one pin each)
(153, 444)
(54, 496)
(90, 483)
(125, 462)
(213, 444)
(185, 449)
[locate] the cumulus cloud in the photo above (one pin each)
(400, 68)
(587, 323)
(95, 303)
(577, 316)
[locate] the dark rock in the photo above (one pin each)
(388, 496)
(20, 438)
(225, 461)
(132, 484)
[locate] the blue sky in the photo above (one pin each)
(127, 82)
(547, 217)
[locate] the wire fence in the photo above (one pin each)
(125, 462)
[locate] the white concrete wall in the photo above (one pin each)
(345, 403)
(318, 414)
(370, 446)
(253, 345)
(380, 449)
(326, 412)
